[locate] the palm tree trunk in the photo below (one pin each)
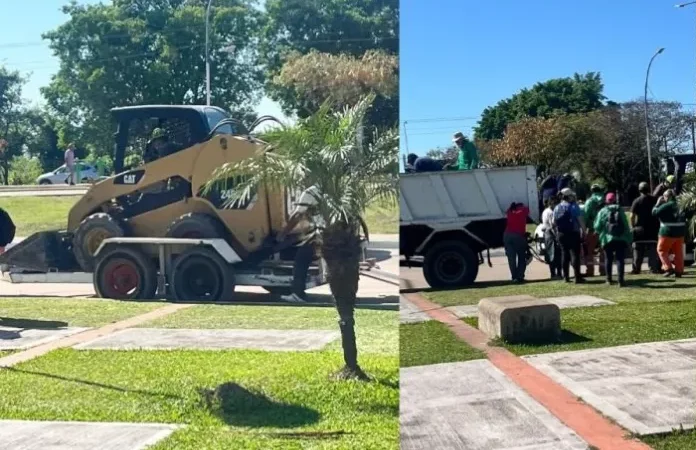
(340, 249)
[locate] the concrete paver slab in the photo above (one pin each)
(474, 406)
(43, 435)
(646, 388)
(168, 339)
(21, 338)
(572, 301)
(409, 313)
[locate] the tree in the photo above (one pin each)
(572, 95)
(327, 151)
(345, 79)
(13, 120)
(543, 143)
(670, 125)
(351, 27)
(133, 52)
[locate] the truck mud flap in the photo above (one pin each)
(41, 252)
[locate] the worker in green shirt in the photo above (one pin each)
(468, 154)
(670, 239)
(592, 207)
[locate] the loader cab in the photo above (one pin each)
(182, 126)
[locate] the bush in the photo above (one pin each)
(105, 161)
(24, 170)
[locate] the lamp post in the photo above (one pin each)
(693, 137)
(647, 124)
(207, 52)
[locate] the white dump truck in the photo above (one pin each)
(451, 217)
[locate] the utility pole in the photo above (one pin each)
(207, 52)
(693, 135)
(406, 135)
(647, 122)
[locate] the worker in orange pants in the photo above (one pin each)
(671, 235)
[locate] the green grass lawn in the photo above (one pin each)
(640, 289)
(228, 399)
(33, 214)
(57, 312)
(382, 218)
(275, 400)
(432, 343)
(377, 331)
(678, 440)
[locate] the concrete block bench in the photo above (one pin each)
(519, 319)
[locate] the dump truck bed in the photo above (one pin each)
(447, 197)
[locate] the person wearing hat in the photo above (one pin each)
(158, 146)
(569, 225)
(671, 235)
(468, 154)
(668, 183)
(614, 235)
(591, 208)
(644, 227)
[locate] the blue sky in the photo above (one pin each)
(460, 56)
(21, 46)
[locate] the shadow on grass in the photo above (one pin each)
(386, 303)
(32, 324)
(658, 283)
(566, 337)
(93, 383)
(239, 406)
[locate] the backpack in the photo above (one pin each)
(7, 228)
(615, 226)
(563, 218)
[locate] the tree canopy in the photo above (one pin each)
(570, 95)
(134, 52)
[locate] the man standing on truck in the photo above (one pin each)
(69, 160)
(468, 154)
(668, 183)
(570, 227)
(592, 207)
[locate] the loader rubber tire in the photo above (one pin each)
(201, 275)
(91, 232)
(125, 274)
(195, 226)
(450, 264)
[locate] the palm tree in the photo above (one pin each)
(329, 151)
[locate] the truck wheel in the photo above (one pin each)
(450, 264)
(195, 226)
(200, 274)
(125, 274)
(90, 234)
(44, 182)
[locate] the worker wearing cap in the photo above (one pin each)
(592, 207)
(614, 234)
(158, 146)
(670, 240)
(644, 227)
(569, 224)
(662, 187)
(468, 154)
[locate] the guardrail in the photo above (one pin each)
(45, 187)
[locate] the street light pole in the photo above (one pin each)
(693, 119)
(647, 122)
(207, 52)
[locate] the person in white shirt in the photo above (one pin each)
(305, 211)
(552, 252)
(69, 159)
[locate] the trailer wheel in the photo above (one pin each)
(450, 264)
(200, 274)
(195, 226)
(90, 234)
(125, 274)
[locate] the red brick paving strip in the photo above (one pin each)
(88, 335)
(589, 424)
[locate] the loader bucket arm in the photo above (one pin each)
(46, 251)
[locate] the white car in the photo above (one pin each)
(87, 174)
